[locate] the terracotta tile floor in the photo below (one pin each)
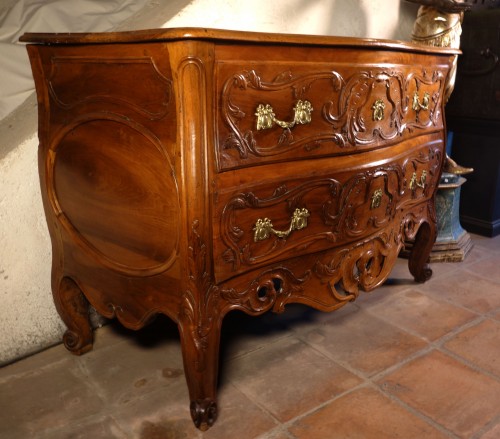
(406, 361)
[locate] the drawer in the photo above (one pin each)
(314, 205)
(291, 111)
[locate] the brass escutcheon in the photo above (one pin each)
(378, 109)
(376, 199)
(266, 117)
(264, 227)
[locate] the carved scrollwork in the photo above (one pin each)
(365, 266)
(421, 172)
(426, 96)
(244, 141)
(339, 207)
(343, 272)
(347, 115)
(292, 199)
(199, 311)
(270, 289)
(367, 107)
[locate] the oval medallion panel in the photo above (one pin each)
(114, 190)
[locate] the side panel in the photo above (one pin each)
(108, 130)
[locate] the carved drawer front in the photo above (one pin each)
(290, 216)
(298, 110)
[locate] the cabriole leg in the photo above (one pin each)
(422, 247)
(200, 350)
(74, 311)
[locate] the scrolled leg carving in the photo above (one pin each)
(74, 310)
(203, 413)
(200, 338)
(419, 257)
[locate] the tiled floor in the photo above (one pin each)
(406, 361)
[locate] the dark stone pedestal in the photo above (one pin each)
(452, 242)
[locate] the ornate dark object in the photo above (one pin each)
(473, 115)
(164, 194)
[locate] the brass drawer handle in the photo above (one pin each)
(424, 105)
(266, 117)
(264, 227)
(414, 183)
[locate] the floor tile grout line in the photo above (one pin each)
(469, 364)
(427, 291)
(332, 358)
(275, 431)
(417, 413)
(370, 381)
(436, 345)
(368, 384)
(259, 348)
(91, 382)
(258, 404)
(320, 406)
(396, 366)
(29, 372)
(489, 426)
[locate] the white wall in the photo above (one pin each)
(28, 320)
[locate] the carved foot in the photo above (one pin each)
(203, 413)
(419, 257)
(423, 275)
(78, 344)
(74, 310)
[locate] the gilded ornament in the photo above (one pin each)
(414, 182)
(266, 117)
(376, 199)
(378, 110)
(264, 227)
(417, 105)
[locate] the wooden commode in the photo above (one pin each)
(192, 172)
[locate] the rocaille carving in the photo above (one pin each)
(270, 289)
(201, 311)
(364, 265)
(346, 115)
(428, 82)
(244, 142)
(293, 199)
(360, 266)
(343, 116)
(340, 211)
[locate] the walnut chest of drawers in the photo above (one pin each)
(192, 172)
